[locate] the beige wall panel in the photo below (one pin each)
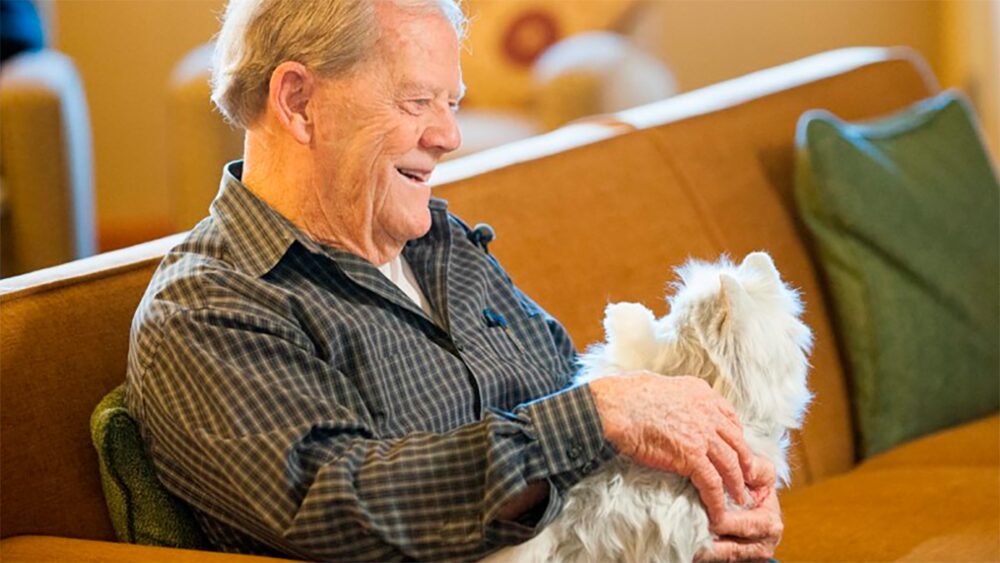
(705, 41)
(125, 51)
(971, 59)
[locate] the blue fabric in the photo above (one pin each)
(20, 28)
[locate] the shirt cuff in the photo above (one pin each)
(568, 429)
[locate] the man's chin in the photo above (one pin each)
(414, 227)
(422, 228)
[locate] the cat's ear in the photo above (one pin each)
(731, 293)
(732, 298)
(761, 263)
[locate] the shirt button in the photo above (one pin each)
(574, 450)
(459, 346)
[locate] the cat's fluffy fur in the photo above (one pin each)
(736, 327)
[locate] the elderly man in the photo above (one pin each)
(329, 368)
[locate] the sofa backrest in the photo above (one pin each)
(63, 344)
(593, 213)
(704, 173)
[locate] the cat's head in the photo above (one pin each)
(747, 321)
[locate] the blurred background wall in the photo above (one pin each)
(125, 51)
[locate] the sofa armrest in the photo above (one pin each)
(39, 549)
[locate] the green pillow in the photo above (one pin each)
(141, 510)
(904, 217)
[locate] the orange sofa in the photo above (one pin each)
(597, 211)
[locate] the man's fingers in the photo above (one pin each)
(709, 484)
(728, 549)
(761, 474)
(727, 464)
(750, 524)
(728, 411)
(733, 435)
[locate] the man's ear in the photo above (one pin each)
(289, 93)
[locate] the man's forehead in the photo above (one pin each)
(413, 46)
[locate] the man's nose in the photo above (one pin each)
(443, 133)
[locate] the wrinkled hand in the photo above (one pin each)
(679, 424)
(749, 535)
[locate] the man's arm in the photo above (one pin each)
(249, 427)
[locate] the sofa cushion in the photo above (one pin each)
(142, 510)
(973, 444)
(885, 515)
(904, 213)
(892, 510)
(40, 549)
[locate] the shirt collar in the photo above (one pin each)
(258, 235)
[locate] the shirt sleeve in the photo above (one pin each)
(247, 425)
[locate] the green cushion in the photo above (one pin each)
(141, 510)
(904, 216)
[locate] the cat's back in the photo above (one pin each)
(626, 512)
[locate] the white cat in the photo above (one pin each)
(736, 327)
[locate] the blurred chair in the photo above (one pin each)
(46, 164)
(534, 65)
(506, 37)
(201, 142)
(583, 77)
(596, 72)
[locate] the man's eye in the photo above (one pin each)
(417, 105)
(453, 106)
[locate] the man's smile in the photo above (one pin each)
(415, 175)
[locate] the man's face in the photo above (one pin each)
(381, 130)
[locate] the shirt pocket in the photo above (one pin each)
(524, 345)
(533, 334)
(505, 343)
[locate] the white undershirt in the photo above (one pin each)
(398, 271)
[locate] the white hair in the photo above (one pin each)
(328, 37)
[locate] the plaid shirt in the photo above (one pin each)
(303, 405)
